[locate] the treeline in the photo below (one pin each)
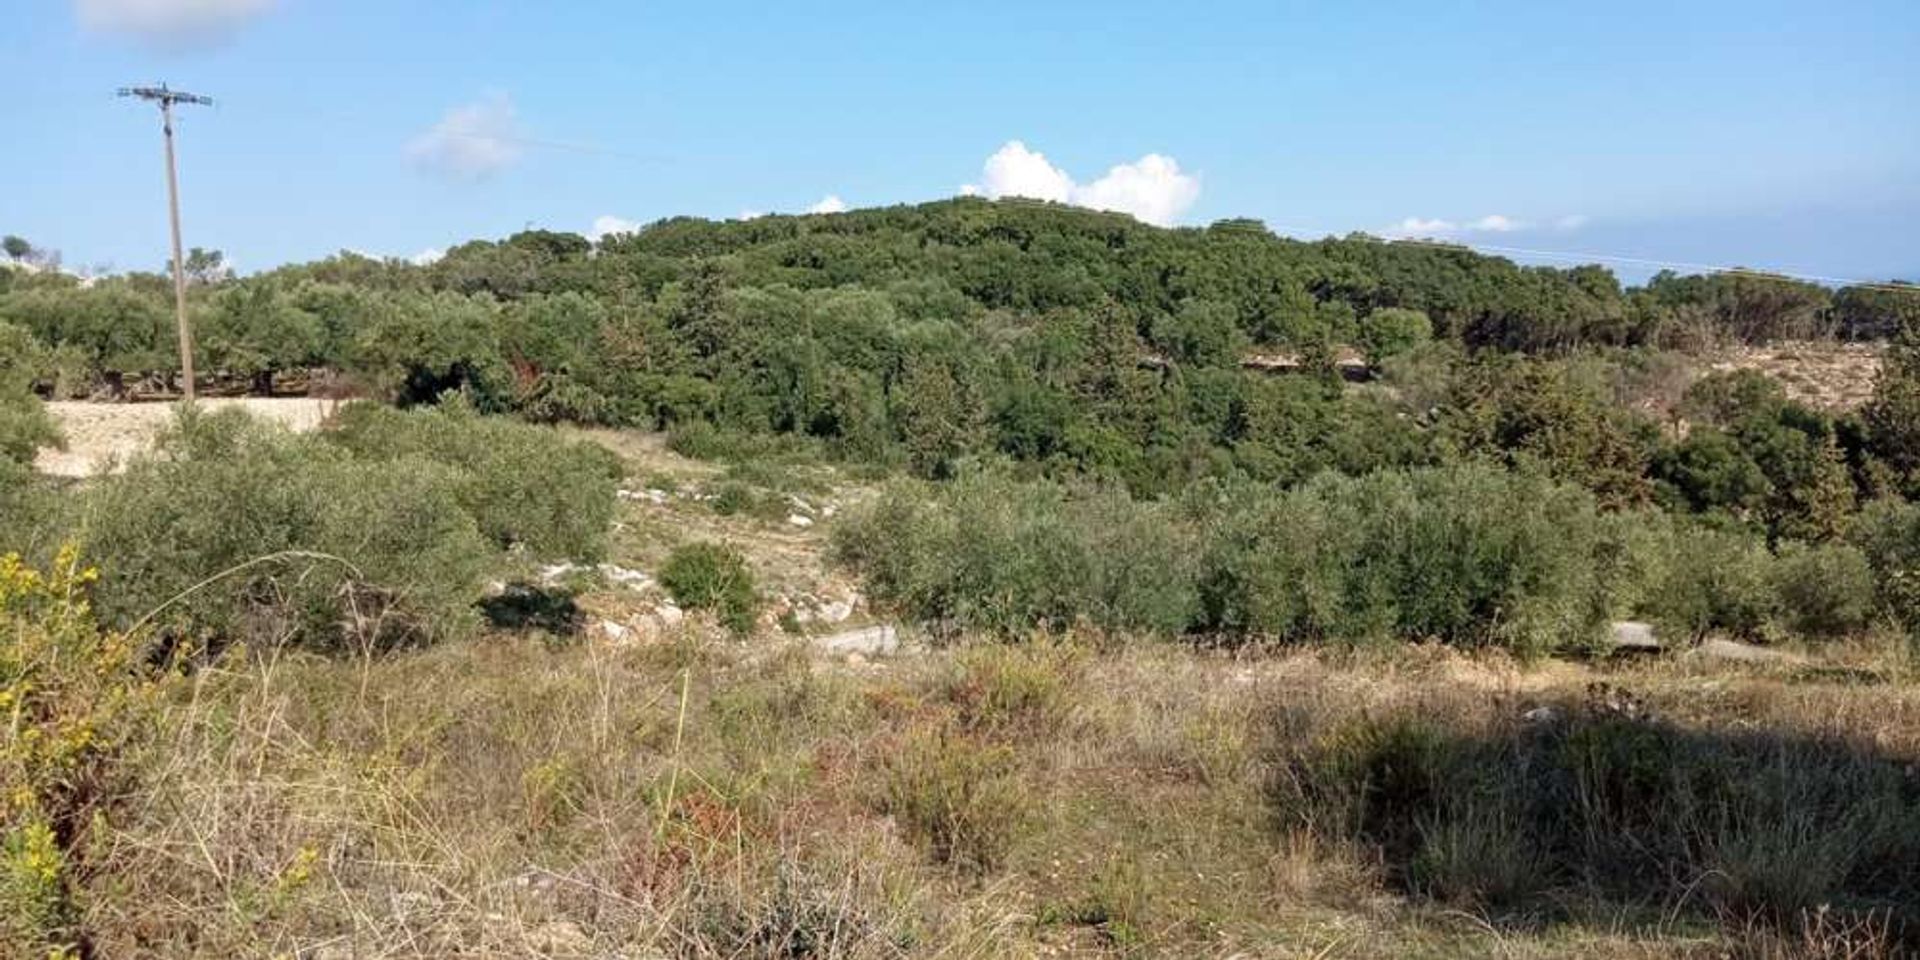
(925, 335)
(553, 320)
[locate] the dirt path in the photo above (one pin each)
(100, 433)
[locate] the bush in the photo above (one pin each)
(523, 485)
(1704, 580)
(233, 529)
(1824, 591)
(709, 576)
(76, 697)
(990, 553)
(24, 427)
(1888, 533)
(957, 797)
(1026, 687)
(1470, 555)
(29, 510)
(24, 424)
(1466, 803)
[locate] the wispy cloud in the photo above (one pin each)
(1491, 223)
(471, 142)
(1152, 188)
(172, 26)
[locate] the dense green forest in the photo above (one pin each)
(1064, 346)
(1074, 339)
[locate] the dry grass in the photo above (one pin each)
(1830, 376)
(510, 798)
(98, 434)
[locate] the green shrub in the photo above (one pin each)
(991, 553)
(30, 507)
(1469, 555)
(1005, 686)
(1704, 580)
(402, 559)
(957, 797)
(1888, 532)
(522, 484)
(1824, 591)
(24, 424)
(77, 697)
(24, 427)
(710, 576)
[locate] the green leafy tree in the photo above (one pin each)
(938, 415)
(253, 330)
(1391, 332)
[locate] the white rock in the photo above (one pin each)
(553, 572)
(624, 577)
(867, 641)
(836, 612)
(1633, 635)
(669, 615)
(799, 520)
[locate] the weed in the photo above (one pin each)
(711, 576)
(959, 798)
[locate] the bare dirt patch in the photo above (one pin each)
(100, 434)
(1830, 376)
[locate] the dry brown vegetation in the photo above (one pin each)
(1828, 375)
(709, 798)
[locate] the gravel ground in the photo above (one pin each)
(100, 433)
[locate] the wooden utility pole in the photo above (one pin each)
(166, 99)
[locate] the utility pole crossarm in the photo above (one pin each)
(166, 98)
(164, 95)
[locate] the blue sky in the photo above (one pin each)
(1767, 135)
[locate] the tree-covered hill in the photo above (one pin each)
(1075, 340)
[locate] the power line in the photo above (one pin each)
(166, 99)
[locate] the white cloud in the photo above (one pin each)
(1419, 227)
(1424, 227)
(172, 25)
(1495, 223)
(609, 225)
(831, 203)
(472, 142)
(427, 256)
(1152, 188)
(1015, 171)
(1491, 223)
(751, 214)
